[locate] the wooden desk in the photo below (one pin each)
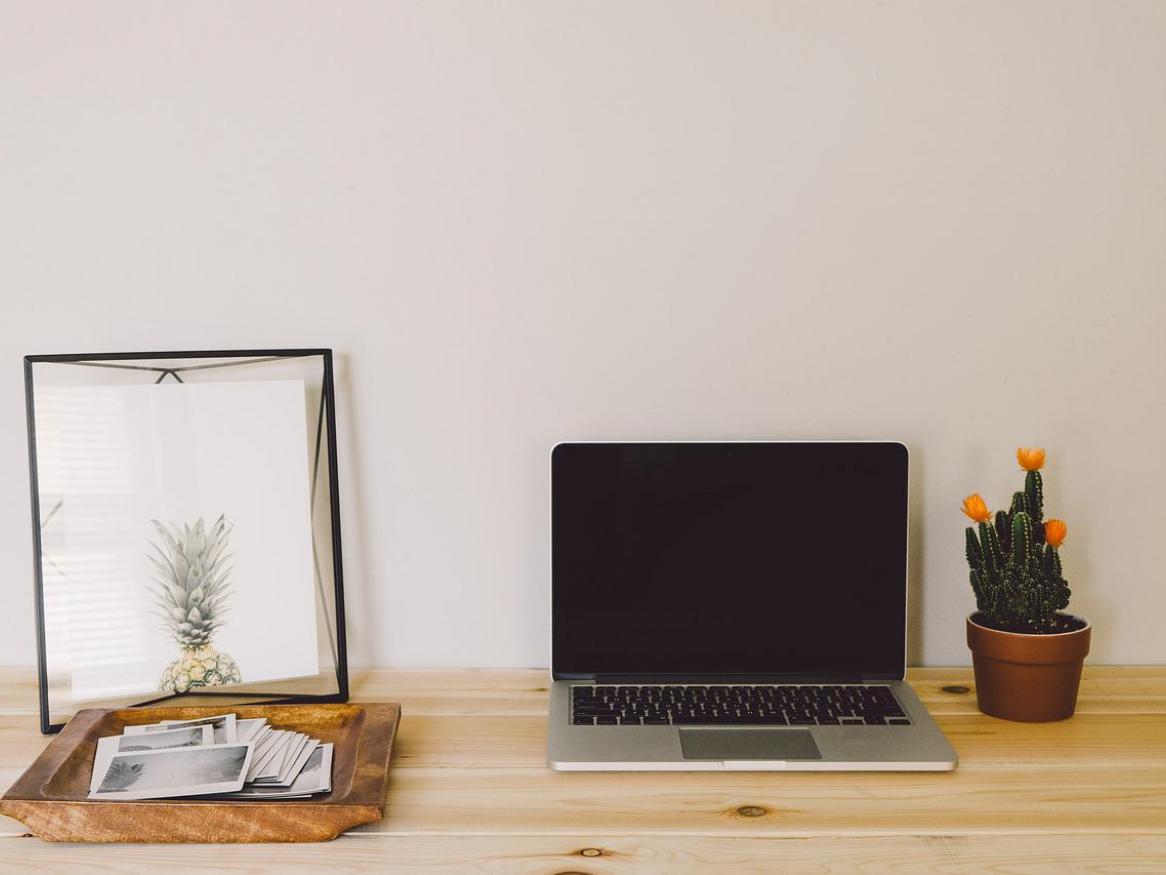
(470, 791)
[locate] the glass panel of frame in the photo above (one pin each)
(186, 529)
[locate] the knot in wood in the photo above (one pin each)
(956, 689)
(751, 811)
(591, 852)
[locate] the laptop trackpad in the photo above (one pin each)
(748, 744)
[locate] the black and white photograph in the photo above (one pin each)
(296, 766)
(277, 763)
(272, 770)
(182, 736)
(183, 541)
(247, 729)
(108, 747)
(271, 750)
(186, 771)
(315, 777)
(224, 725)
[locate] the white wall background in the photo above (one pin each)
(526, 221)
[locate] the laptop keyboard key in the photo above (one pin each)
(738, 705)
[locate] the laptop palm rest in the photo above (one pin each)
(748, 744)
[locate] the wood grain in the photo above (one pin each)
(618, 855)
(469, 791)
(520, 742)
(504, 692)
(807, 804)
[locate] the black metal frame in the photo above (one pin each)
(327, 420)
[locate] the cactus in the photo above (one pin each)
(1034, 493)
(1015, 565)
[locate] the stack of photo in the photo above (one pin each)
(220, 756)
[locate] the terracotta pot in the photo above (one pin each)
(1033, 678)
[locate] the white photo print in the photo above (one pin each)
(183, 771)
(177, 536)
(110, 746)
(315, 777)
(224, 727)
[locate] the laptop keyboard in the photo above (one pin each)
(760, 705)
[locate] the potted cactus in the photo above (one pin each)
(1027, 652)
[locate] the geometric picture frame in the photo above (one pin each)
(240, 415)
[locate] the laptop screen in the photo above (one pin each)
(729, 559)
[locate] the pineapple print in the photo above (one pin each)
(190, 575)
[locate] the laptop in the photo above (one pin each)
(725, 606)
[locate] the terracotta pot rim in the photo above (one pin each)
(1035, 635)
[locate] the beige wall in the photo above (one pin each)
(528, 221)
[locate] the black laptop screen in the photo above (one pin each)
(729, 559)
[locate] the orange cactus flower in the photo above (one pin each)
(1030, 458)
(1055, 531)
(976, 508)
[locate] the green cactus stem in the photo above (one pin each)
(974, 553)
(1016, 576)
(1034, 493)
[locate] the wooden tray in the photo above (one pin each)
(50, 798)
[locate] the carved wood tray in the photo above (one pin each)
(50, 797)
